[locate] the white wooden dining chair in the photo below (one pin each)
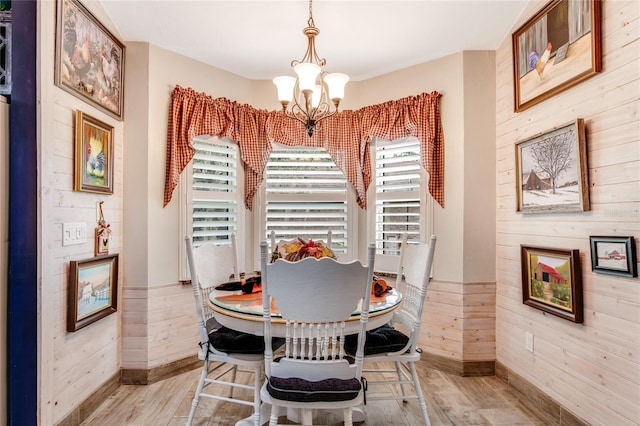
(222, 350)
(397, 342)
(216, 264)
(315, 298)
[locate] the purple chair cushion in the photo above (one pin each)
(379, 340)
(301, 390)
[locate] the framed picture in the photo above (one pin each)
(93, 155)
(614, 255)
(89, 59)
(555, 49)
(551, 171)
(552, 282)
(93, 290)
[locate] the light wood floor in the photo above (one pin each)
(451, 400)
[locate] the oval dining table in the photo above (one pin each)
(243, 312)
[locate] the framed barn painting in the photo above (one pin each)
(93, 155)
(93, 290)
(551, 171)
(614, 256)
(557, 48)
(89, 61)
(552, 281)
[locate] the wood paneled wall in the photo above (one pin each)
(459, 321)
(592, 369)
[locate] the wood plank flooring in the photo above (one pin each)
(451, 400)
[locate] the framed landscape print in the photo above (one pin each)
(552, 281)
(93, 155)
(614, 256)
(551, 171)
(93, 290)
(89, 60)
(555, 49)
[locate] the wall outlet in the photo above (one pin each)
(528, 341)
(74, 233)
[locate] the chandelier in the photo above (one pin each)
(313, 92)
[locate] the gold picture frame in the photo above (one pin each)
(93, 155)
(552, 281)
(551, 171)
(89, 61)
(93, 290)
(556, 49)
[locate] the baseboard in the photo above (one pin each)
(536, 398)
(92, 402)
(461, 368)
(127, 377)
(146, 377)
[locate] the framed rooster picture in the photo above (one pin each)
(93, 155)
(89, 60)
(556, 49)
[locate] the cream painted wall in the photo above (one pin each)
(158, 323)
(71, 365)
(479, 232)
(592, 369)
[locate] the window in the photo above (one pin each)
(306, 195)
(212, 185)
(400, 200)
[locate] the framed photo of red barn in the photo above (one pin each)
(614, 256)
(552, 281)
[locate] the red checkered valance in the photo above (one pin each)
(345, 136)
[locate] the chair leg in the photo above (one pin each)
(348, 416)
(400, 378)
(196, 397)
(233, 379)
(257, 383)
(273, 419)
(416, 384)
(306, 416)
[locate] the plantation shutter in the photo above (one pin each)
(214, 186)
(306, 196)
(397, 207)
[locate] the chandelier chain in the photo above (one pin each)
(310, 21)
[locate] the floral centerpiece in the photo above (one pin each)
(299, 249)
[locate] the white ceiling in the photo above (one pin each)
(259, 39)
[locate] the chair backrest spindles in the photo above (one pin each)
(315, 297)
(416, 263)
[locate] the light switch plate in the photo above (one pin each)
(74, 233)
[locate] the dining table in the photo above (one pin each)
(243, 312)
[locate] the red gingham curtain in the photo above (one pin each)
(345, 136)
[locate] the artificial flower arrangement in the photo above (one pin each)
(299, 249)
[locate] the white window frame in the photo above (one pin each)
(384, 262)
(352, 213)
(186, 206)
